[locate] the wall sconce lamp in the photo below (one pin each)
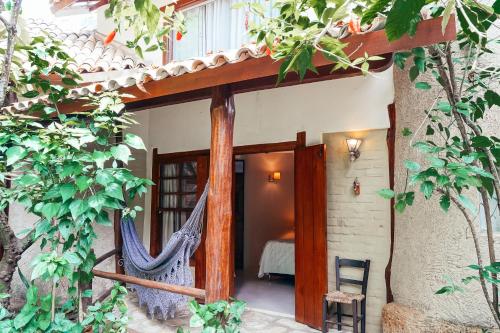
(353, 147)
(274, 177)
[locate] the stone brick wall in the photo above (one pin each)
(359, 226)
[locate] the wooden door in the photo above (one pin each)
(310, 234)
(200, 262)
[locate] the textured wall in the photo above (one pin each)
(269, 207)
(359, 226)
(431, 245)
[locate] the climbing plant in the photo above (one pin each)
(68, 170)
(463, 159)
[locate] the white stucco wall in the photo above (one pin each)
(274, 115)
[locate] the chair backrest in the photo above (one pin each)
(339, 280)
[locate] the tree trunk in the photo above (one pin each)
(13, 248)
(11, 28)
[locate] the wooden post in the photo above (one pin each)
(219, 213)
(391, 144)
(117, 224)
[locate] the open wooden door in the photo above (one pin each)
(310, 234)
(200, 254)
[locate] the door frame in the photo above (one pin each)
(156, 227)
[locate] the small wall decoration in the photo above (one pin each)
(356, 187)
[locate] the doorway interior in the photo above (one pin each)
(264, 224)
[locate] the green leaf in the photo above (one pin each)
(406, 131)
(492, 98)
(14, 154)
(103, 218)
(401, 18)
(50, 210)
(115, 191)
(67, 191)
(437, 162)
(23, 318)
(427, 188)
(28, 179)
(496, 7)
(412, 166)
(64, 228)
(69, 81)
(400, 206)
(97, 202)
(409, 198)
(31, 94)
(372, 12)
(72, 258)
(444, 202)
(134, 141)
(100, 158)
(78, 207)
(386, 193)
(481, 142)
(467, 203)
(83, 182)
(121, 153)
(414, 72)
(422, 86)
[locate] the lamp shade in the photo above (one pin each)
(353, 144)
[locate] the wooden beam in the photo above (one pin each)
(61, 4)
(219, 209)
(391, 147)
(188, 291)
(374, 43)
(98, 4)
(264, 83)
(106, 256)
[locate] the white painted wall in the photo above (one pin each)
(274, 115)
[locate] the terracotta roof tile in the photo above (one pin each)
(175, 68)
(87, 49)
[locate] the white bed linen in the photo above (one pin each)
(278, 257)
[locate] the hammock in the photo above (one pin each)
(171, 266)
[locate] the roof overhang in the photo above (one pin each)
(261, 73)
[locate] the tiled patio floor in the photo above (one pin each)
(253, 321)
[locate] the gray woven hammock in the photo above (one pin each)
(171, 266)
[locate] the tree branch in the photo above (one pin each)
(9, 51)
(479, 255)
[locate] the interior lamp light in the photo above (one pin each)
(353, 147)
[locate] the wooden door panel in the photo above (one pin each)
(200, 254)
(310, 234)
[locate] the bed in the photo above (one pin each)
(278, 257)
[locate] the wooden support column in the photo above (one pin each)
(117, 217)
(391, 146)
(219, 214)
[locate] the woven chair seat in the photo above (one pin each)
(343, 297)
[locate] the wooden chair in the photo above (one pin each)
(339, 297)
